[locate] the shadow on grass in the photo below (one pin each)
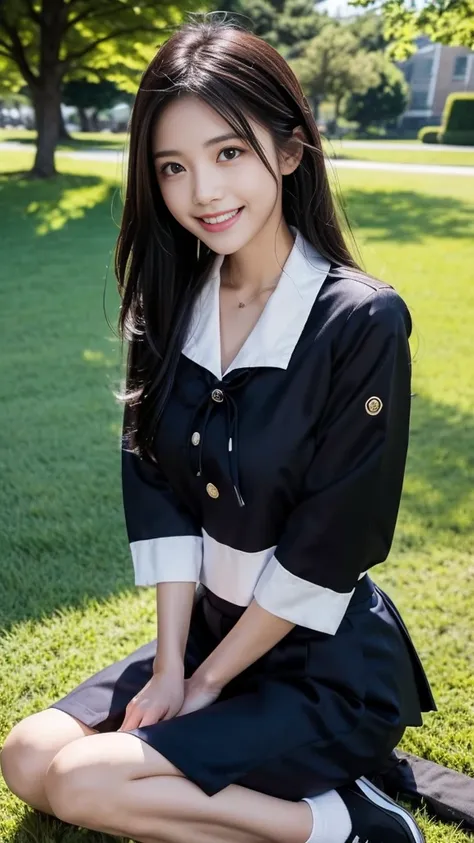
(45, 206)
(407, 216)
(42, 828)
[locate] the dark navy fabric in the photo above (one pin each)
(313, 713)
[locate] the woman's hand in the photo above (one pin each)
(199, 692)
(160, 699)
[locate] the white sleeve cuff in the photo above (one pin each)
(299, 601)
(167, 559)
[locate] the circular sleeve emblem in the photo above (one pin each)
(373, 405)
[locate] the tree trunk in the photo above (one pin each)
(315, 103)
(63, 132)
(337, 113)
(95, 121)
(46, 102)
(83, 119)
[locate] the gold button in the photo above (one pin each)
(373, 405)
(212, 490)
(217, 395)
(196, 438)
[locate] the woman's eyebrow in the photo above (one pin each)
(219, 139)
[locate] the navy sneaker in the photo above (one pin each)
(375, 817)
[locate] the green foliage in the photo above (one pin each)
(286, 25)
(382, 102)
(98, 95)
(333, 65)
(259, 16)
(429, 134)
(369, 31)
(298, 23)
(11, 80)
(109, 38)
(458, 112)
(460, 138)
(458, 122)
(448, 22)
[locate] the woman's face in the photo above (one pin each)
(205, 171)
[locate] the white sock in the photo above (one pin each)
(331, 819)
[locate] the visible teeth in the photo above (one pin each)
(221, 218)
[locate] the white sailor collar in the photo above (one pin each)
(274, 337)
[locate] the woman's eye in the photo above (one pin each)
(164, 169)
(231, 153)
(172, 168)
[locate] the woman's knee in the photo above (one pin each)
(85, 781)
(78, 786)
(31, 746)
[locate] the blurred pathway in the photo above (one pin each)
(117, 155)
(411, 147)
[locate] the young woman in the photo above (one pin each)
(265, 437)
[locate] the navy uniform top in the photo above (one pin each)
(280, 479)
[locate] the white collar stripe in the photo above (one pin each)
(274, 337)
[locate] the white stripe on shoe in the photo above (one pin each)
(383, 801)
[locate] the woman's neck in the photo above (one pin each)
(260, 262)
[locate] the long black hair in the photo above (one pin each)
(158, 272)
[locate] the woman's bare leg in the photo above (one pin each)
(119, 785)
(29, 749)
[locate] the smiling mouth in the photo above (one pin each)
(223, 217)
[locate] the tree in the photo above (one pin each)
(296, 25)
(369, 31)
(332, 66)
(448, 22)
(380, 103)
(95, 95)
(48, 41)
(285, 24)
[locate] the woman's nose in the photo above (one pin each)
(207, 188)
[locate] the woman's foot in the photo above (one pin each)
(375, 817)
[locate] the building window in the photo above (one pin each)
(419, 99)
(460, 67)
(422, 69)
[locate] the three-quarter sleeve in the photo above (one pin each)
(165, 540)
(345, 520)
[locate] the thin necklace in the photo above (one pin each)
(259, 293)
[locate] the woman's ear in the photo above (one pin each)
(293, 152)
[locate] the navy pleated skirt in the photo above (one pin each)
(315, 712)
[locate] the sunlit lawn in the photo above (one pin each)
(419, 153)
(67, 603)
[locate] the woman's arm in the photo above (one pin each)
(174, 603)
(256, 632)
(163, 695)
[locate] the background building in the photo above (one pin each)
(433, 72)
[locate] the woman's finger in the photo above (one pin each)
(132, 718)
(152, 716)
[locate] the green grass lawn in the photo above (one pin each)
(68, 605)
(79, 140)
(421, 153)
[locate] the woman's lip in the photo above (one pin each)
(221, 226)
